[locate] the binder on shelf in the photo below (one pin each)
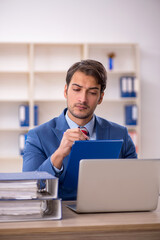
(22, 142)
(123, 87)
(128, 86)
(134, 87)
(131, 114)
(35, 115)
(29, 196)
(24, 115)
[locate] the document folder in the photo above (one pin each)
(29, 196)
(131, 114)
(30, 210)
(93, 149)
(44, 184)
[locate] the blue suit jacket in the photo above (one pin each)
(43, 140)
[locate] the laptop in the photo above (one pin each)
(97, 149)
(117, 185)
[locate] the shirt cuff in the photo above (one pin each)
(58, 171)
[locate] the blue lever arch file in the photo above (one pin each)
(29, 196)
(128, 86)
(93, 149)
(24, 115)
(45, 182)
(131, 114)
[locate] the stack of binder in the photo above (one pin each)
(29, 196)
(131, 114)
(128, 86)
(24, 115)
(24, 122)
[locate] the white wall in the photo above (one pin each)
(97, 21)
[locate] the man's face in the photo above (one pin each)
(83, 94)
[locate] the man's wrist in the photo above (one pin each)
(57, 159)
(57, 170)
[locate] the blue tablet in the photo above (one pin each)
(92, 149)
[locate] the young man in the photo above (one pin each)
(48, 146)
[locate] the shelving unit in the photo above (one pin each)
(34, 74)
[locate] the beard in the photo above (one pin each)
(82, 114)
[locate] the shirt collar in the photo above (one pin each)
(89, 125)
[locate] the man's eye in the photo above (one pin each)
(76, 89)
(93, 93)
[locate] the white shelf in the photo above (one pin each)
(121, 72)
(14, 57)
(11, 163)
(14, 129)
(34, 73)
(15, 100)
(132, 127)
(121, 100)
(56, 57)
(63, 71)
(14, 72)
(39, 100)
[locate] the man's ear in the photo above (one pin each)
(101, 98)
(65, 91)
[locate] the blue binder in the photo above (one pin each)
(124, 87)
(35, 115)
(93, 149)
(133, 93)
(36, 197)
(24, 115)
(127, 86)
(131, 114)
(40, 177)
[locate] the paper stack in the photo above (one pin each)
(29, 196)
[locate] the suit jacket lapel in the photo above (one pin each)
(61, 126)
(102, 129)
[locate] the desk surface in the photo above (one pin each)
(120, 225)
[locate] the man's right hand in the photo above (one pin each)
(69, 137)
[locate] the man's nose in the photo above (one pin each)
(83, 96)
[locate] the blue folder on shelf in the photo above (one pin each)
(93, 149)
(24, 115)
(131, 114)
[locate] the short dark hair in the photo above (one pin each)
(90, 68)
